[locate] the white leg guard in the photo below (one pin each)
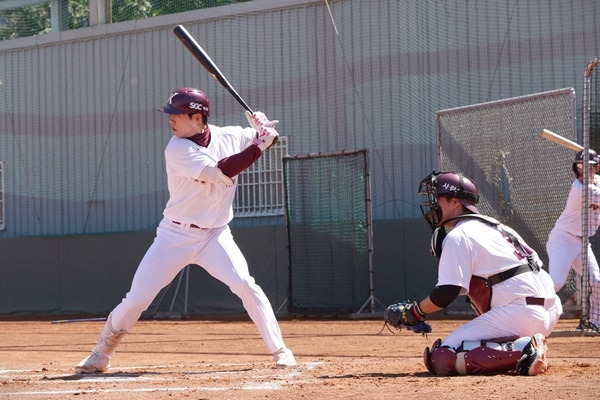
(516, 345)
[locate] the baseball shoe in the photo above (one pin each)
(284, 358)
(594, 326)
(533, 361)
(95, 362)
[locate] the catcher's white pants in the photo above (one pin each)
(565, 251)
(176, 246)
(512, 320)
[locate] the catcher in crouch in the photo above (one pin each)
(502, 277)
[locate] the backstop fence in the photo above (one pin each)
(523, 180)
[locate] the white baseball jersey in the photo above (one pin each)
(192, 201)
(195, 231)
(570, 218)
(564, 244)
(476, 248)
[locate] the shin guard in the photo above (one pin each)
(474, 357)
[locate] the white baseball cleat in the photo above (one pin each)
(95, 362)
(533, 361)
(284, 358)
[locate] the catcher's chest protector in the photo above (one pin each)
(480, 294)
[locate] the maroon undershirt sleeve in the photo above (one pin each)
(233, 165)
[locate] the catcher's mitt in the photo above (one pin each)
(400, 315)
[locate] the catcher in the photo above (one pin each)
(502, 277)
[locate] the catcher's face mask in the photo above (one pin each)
(450, 185)
(430, 207)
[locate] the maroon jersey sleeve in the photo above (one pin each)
(233, 165)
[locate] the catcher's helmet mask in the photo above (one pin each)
(446, 184)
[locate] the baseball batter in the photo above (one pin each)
(501, 275)
(202, 163)
(564, 244)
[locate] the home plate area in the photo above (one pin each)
(218, 360)
(193, 378)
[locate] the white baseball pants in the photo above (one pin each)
(565, 251)
(176, 246)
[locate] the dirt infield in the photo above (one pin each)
(188, 359)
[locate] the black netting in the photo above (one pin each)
(593, 88)
(328, 232)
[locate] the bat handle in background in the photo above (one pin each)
(66, 321)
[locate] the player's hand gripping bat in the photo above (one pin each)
(207, 63)
(198, 52)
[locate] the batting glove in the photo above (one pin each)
(259, 120)
(265, 138)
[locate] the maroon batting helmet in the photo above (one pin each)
(594, 159)
(187, 100)
(446, 184)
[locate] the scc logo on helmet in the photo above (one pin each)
(197, 106)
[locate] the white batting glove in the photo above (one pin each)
(265, 138)
(259, 120)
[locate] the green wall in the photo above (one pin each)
(90, 274)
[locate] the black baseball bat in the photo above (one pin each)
(198, 52)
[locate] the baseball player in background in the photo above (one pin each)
(202, 162)
(564, 244)
(502, 277)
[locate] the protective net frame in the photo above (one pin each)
(590, 299)
(1, 196)
(523, 180)
(329, 232)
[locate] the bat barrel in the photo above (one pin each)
(560, 140)
(198, 52)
